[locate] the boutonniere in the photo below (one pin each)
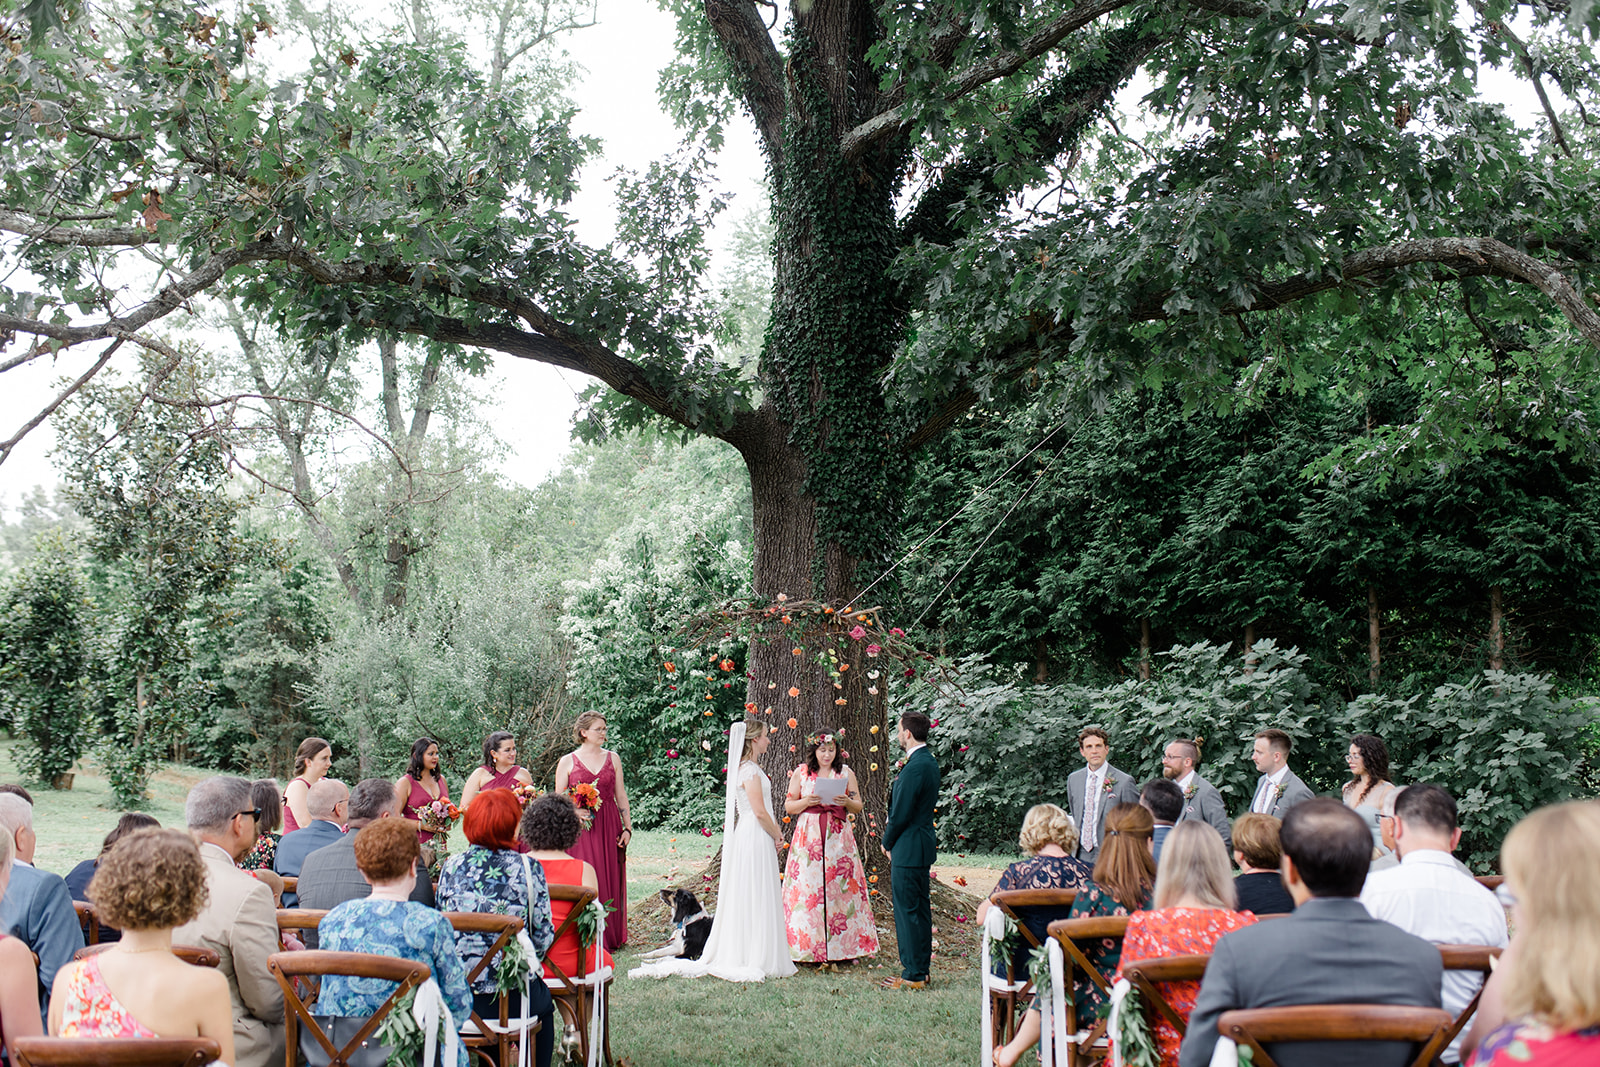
(1189, 793)
(1277, 794)
(899, 764)
(1110, 785)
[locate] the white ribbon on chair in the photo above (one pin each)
(1119, 993)
(1053, 1028)
(431, 1012)
(994, 929)
(597, 978)
(1226, 1054)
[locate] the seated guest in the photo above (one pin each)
(37, 908)
(1194, 905)
(1541, 1007)
(1165, 801)
(78, 878)
(19, 981)
(1049, 839)
(1124, 875)
(238, 921)
(1256, 851)
(492, 876)
(329, 876)
(149, 883)
(549, 828)
(265, 795)
(1426, 895)
(329, 804)
(1327, 951)
(390, 923)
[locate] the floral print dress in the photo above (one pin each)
(825, 904)
(1538, 1045)
(1092, 1002)
(1177, 932)
(400, 928)
(492, 880)
(261, 856)
(90, 1010)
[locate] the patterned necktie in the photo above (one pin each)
(1091, 809)
(1260, 806)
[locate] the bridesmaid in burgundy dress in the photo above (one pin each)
(499, 769)
(604, 843)
(421, 785)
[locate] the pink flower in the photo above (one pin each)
(672, 753)
(898, 632)
(858, 633)
(706, 831)
(873, 650)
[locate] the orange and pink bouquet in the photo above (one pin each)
(585, 796)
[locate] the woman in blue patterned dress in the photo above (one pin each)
(388, 923)
(491, 876)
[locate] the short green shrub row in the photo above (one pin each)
(1502, 744)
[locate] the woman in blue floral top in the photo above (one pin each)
(389, 924)
(491, 876)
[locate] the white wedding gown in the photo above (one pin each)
(748, 942)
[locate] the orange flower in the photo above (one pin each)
(786, 818)
(827, 611)
(873, 730)
(872, 878)
(862, 617)
(750, 707)
(791, 749)
(785, 619)
(727, 664)
(668, 666)
(844, 666)
(841, 701)
(708, 697)
(960, 880)
(799, 651)
(794, 690)
(793, 723)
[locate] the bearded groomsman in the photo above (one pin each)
(1095, 789)
(1200, 798)
(1278, 789)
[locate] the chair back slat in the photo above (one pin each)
(580, 898)
(88, 921)
(1015, 901)
(300, 918)
(1468, 958)
(319, 963)
(291, 883)
(114, 1051)
(1072, 934)
(505, 928)
(194, 955)
(1255, 1027)
(1143, 974)
(1490, 882)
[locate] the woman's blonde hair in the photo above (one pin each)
(1552, 860)
(1046, 824)
(754, 729)
(1194, 862)
(585, 720)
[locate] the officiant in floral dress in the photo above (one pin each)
(825, 905)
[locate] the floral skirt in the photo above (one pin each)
(825, 903)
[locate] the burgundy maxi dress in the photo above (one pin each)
(598, 845)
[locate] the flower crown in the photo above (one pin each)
(816, 740)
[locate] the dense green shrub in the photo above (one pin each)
(1502, 744)
(42, 660)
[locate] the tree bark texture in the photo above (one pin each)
(1497, 636)
(1372, 634)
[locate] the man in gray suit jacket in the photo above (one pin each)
(329, 876)
(1200, 798)
(1327, 951)
(1278, 789)
(1096, 789)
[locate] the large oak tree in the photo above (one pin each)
(957, 217)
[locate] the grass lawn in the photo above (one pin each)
(676, 1021)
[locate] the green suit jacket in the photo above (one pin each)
(908, 832)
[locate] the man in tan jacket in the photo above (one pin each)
(239, 920)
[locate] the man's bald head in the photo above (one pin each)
(324, 798)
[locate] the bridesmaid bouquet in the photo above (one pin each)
(526, 794)
(585, 796)
(438, 817)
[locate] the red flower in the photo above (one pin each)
(706, 831)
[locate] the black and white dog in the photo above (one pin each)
(690, 927)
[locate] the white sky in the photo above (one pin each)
(622, 58)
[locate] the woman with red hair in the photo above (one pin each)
(491, 876)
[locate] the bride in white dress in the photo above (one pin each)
(747, 941)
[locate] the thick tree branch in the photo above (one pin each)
(899, 117)
(749, 47)
(54, 233)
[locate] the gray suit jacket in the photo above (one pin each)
(1327, 951)
(1294, 792)
(1123, 790)
(240, 923)
(329, 876)
(1206, 805)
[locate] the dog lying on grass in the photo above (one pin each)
(691, 925)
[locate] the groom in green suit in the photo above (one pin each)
(908, 842)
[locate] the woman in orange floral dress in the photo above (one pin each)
(1194, 906)
(825, 904)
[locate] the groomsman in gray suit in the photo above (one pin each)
(1200, 798)
(1095, 789)
(1278, 789)
(1327, 951)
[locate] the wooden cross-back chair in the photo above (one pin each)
(1491, 882)
(1424, 1028)
(573, 995)
(88, 921)
(1008, 996)
(1468, 958)
(1085, 1046)
(477, 1034)
(302, 921)
(315, 963)
(1143, 976)
(114, 1051)
(194, 955)
(291, 883)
